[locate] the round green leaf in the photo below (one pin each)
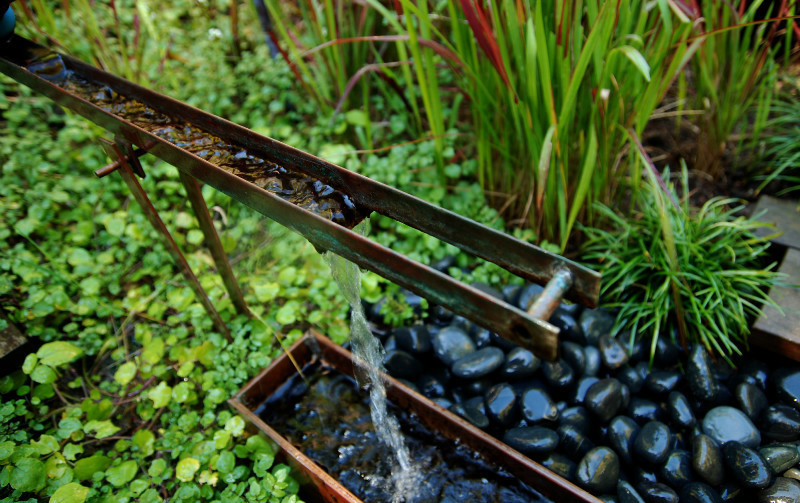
(44, 374)
(101, 429)
(30, 363)
(226, 462)
(125, 373)
(86, 467)
(160, 395)
(144, 440)
(70, 493)
(186, 469)
(29, 475)
(123, 473)
(58, 353)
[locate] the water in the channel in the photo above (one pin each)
(368, 354)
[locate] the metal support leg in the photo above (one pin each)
(212, 241)
(115, 151)
(551, 296)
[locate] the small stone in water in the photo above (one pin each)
(612, 352)
(783, 490)
(414, 339)
(728, 424)
(478, 364)
(781, 422)
(595, 323)
(430, 386)
(661, 382)
(780, 457)
(653, 443)
(631, 377)
(451, 344)
(698, 492)
(621, 432)
(787, 386)
(643, 410)
(520, 364)
(592, 357)
(560, 465)
(627, 494)
(707, 459)
(677, 469)
(558, 374)
(501, 405)
(748, 466)
(701, 379)
(474, 411)
(568, 326)
(750, 399)
(680, 411)
(656, 492)
(584, 383)
(532, 440)
(576, 416)
(604, 399)
(598, 471)
(537, 406)
(574, 355)
(401, 364)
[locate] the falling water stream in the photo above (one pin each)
(368, 354)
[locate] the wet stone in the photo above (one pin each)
(680, 411)
(526, 295)
(643, 410)
(595, 323)
(700, 376)
(560, 465)
(475, 412)
(501, 405)
(592, 358)
(748, 466)
(451, 344)
(441, 315)
(698, 492)
(598, 470)
(793, 473)
(612, 352)
(558, 374)
(707, 459)
(626, 493)
(641, 474)
(667, 352)
(653, 443)
(621, 432)
(414, 339)
(569, 328)
(631, 377)
(780, 422)
(755, 372)
(640, 350)
(604, 399)
(661, 382)
(574, 443)
(480, 336)
(573, 354)
(750, 399)
(532, 441)
(656, 492)
(478, 364)
(730, 492)
(576, 416)
(584, 383)
(501, 342)
(677, 469)
(782, 490)
(520, 364)
(402, 365)
(787, 386)
(728, 424)
(443, 402)
(430, 386)
(780, 457)
(537, 406)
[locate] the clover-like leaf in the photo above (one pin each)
(70, 493)
(186, 469)
(160, 395)
(123, 473)
(58, 353)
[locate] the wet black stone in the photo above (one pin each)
(640, 350)
(725, 424)
(388, 345)
(612, 352)
(402, 365)
(480, 336)
(631, 377)
(501, 342)
(755, 372)
(520, 364)
(780, 457)
(656, 492)
(667, 352)
(573, 354)
(443, 402)
(643, 410)
(479, 363)
(533, 441)
(526, 295)
(573, 442)
(626, 493)
(653, 443)
(415, 339)
(748, 466)
(729, 492)
(661, 382)
(570, 330)
(409, 384)
(474, 411)
(560, 465)
(698, 492)
(502, 405)
(780, 422)
(441, 315)
(591, 356)
(750, 399)
(537, 406)
(576, 416)
(699, 374)
(595, 323)
(787, 386)
(707, 459)
(604, 399)
(598, 470)
(478, 386)
(583, 385)
(452, 343)
(442, 265)
(677, 469)
(414, 301)
(621, 432)
(626, 397)
(558, 374)
(431, 387)
(642, 474)
(782, 490)
(680, 411)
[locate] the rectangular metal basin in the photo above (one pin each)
(319, 486)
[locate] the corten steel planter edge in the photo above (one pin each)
(451, 426)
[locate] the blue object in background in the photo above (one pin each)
(7, 24)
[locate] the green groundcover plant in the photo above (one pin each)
(692, 274)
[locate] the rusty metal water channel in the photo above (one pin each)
(359, 196)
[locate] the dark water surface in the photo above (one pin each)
(329, 421)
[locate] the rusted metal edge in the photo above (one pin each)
(433, 416)
(523, 259)
(485, 310)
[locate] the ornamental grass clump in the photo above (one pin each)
(693, 273)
